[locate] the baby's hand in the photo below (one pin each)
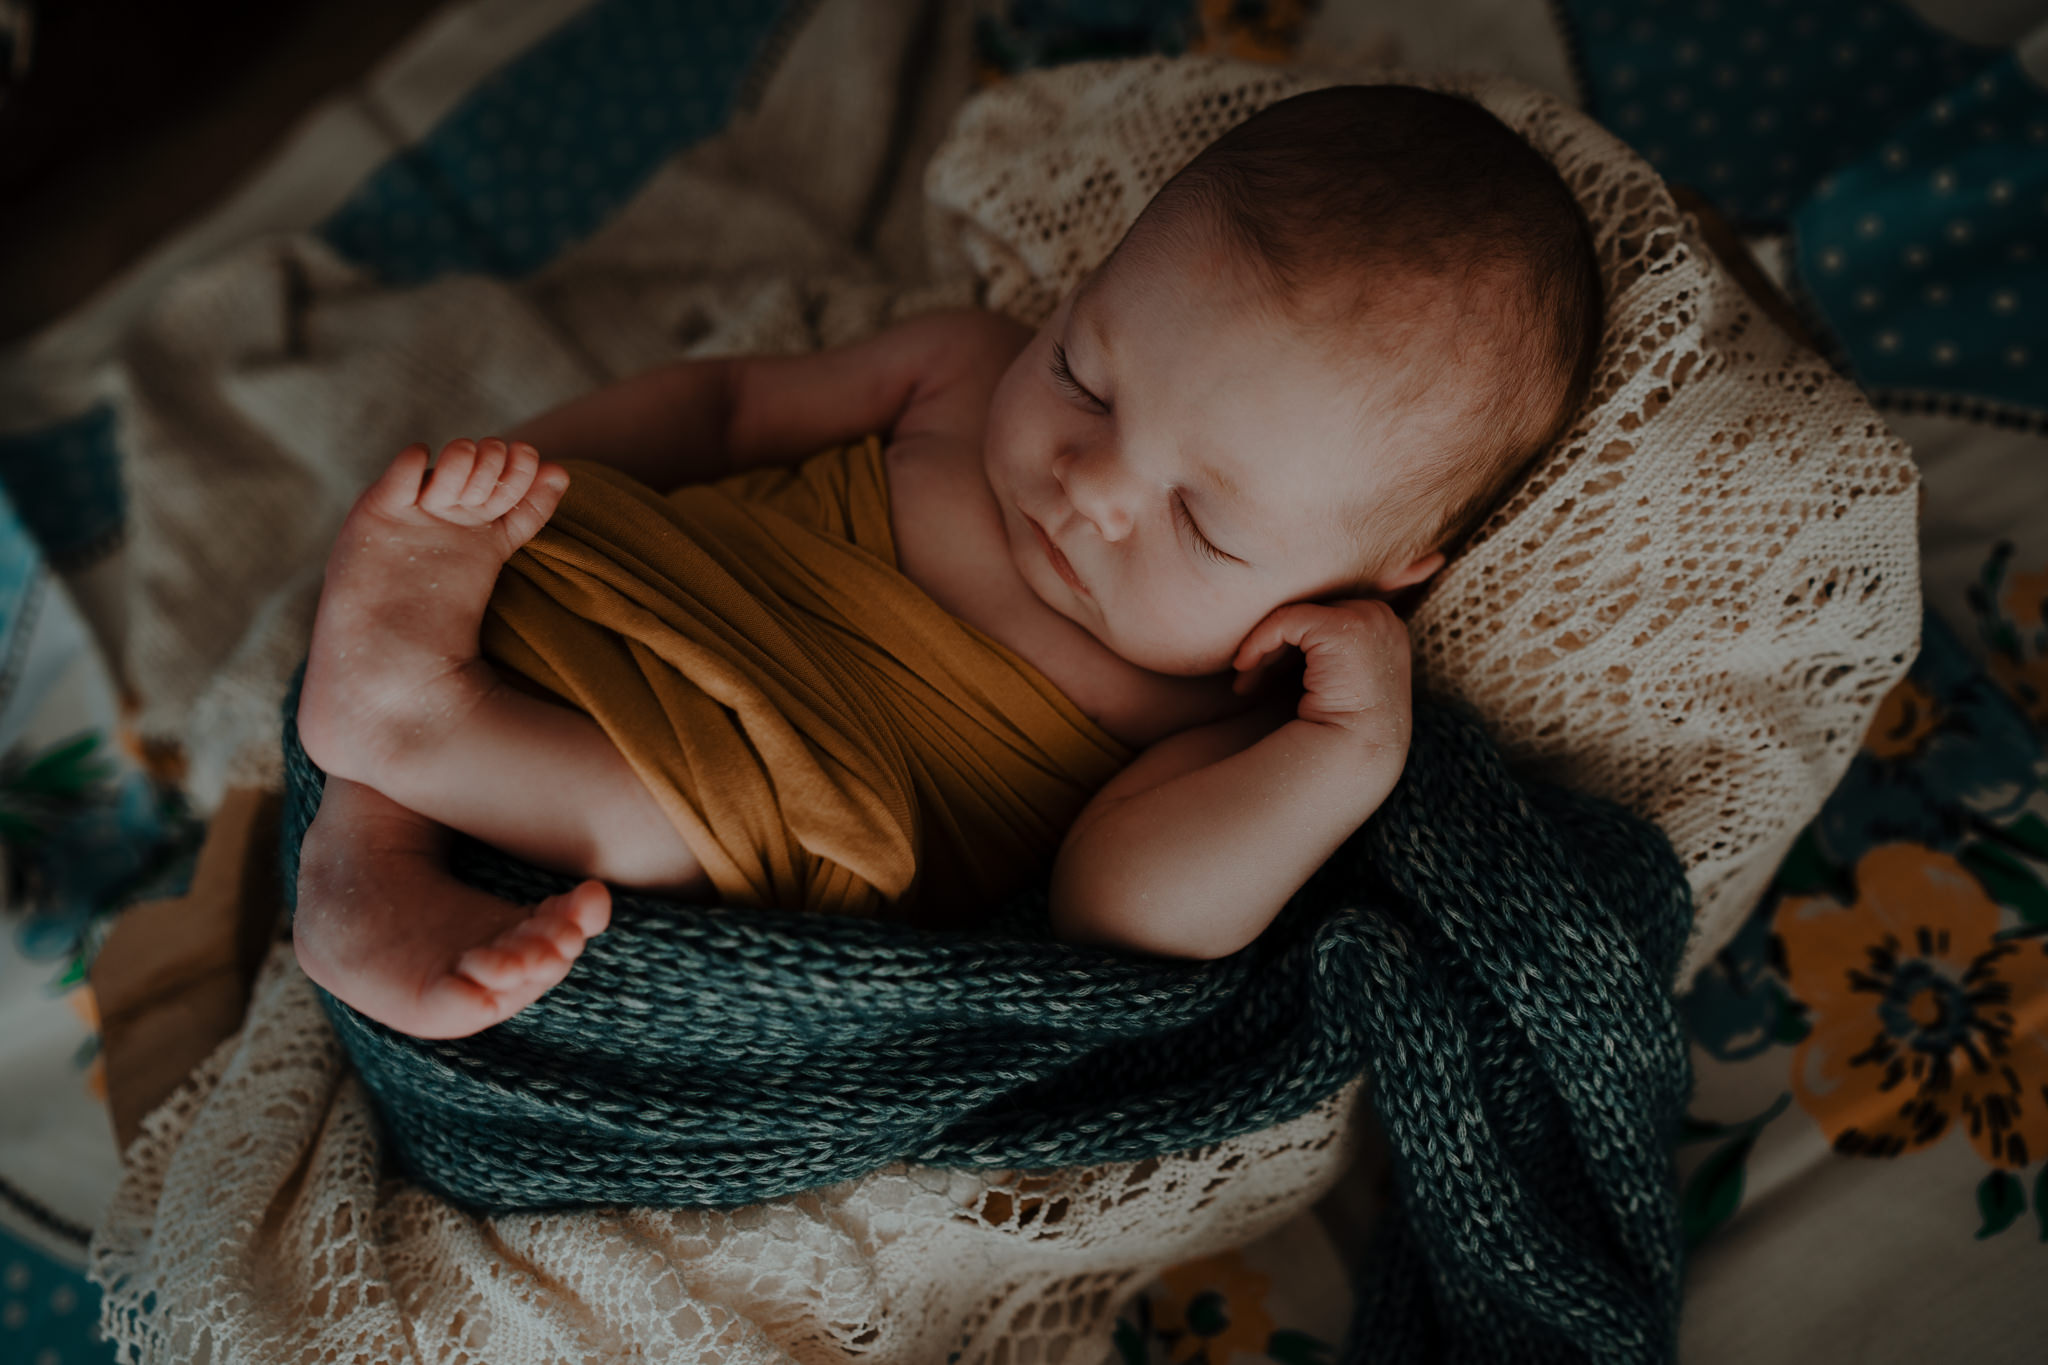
(1356, 666)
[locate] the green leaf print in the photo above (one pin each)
(1791, 1025)
(2000, 1198)
(1692, 1128)
(1714, 1192)
(1983, 595)
(1290, 1347)
(2029, 833)
(2041, 1200)
(1806, 871)
(39, 790)
(2011, 882)
(1130, 1343)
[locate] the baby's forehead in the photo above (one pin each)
(1394, 375)
(1397, 317)
(1293, 492)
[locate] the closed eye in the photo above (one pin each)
(1186, 518)
(1064, 377)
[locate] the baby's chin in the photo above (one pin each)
(1175, 659)
(1190, 659)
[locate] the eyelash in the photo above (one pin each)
(1065, 378)
(1186, 518)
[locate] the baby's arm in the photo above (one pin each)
(1194, 848)
(699, 420)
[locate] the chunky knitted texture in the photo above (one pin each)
(1498, 955)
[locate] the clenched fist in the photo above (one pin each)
(1356, 668)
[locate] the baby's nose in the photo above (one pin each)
(1098, 490)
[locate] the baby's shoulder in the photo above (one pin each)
(966, 337)
(960, 355)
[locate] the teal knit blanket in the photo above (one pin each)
(1498, 954)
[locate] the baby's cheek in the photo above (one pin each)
(1201, 633)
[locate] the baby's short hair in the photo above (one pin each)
(1379, 189)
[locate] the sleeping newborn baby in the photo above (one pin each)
(1134, 566)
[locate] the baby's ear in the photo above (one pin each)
(1388, 584)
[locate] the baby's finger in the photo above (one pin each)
(1266, 637)
(1293, 624)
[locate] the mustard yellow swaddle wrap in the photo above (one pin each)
(823, 734)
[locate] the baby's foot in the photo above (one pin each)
(498, 979)
(394, 657)
(382, 925)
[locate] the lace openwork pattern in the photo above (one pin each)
(255, 1224)
(1691, 603)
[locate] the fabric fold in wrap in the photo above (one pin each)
(823, 734)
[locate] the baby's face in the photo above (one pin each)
(1173, 461)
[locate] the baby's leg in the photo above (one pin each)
(382, 925)
(397, 697)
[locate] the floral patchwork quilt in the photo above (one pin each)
(1865, 1166)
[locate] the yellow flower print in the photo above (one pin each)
(1252, 30)
(1905, 719)
(1212, 1308)
(1920, 1017)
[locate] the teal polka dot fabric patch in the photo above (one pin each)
(1751, 101)
(541, 153)
(48, 1311)
(1909, 168)
(1929, 254)
(65, 482)
(23, 582)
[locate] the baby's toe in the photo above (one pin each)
(443, 493)
(503, 966)
(397, 489)
(549, 942)
(559, 923)
(484, 474)
(514, 481)
(587, 905)
(524, 521)
(456, 1006)
(495, 981)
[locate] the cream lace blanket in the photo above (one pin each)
(1692, 604)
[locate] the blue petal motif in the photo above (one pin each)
(1733, 1007)
(1981, 764)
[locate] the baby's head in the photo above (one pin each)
(1311, 365)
